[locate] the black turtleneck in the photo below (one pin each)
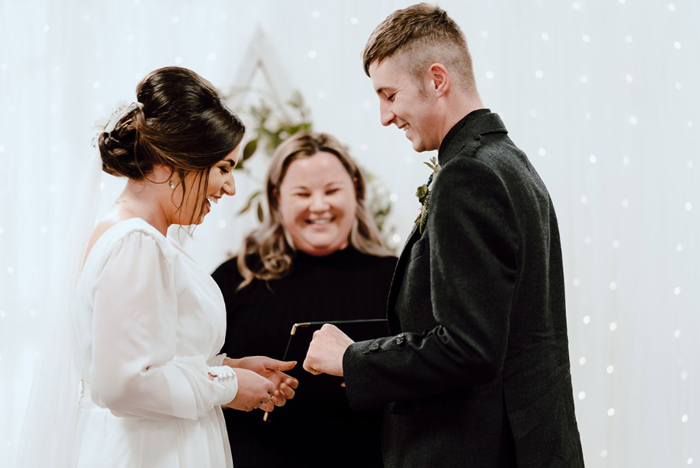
(345, 285)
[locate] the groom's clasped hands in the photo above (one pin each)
(262, 383)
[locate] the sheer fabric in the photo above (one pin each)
(49, 421)
(128, 383)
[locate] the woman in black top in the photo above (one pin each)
(318, 257)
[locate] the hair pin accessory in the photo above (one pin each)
(107, 125)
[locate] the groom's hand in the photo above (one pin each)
(271, 369)
(325, 354)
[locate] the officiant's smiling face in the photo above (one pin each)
(402, 102)
(317, 202)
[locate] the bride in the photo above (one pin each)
(147, 322)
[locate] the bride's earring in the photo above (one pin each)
(171, 184)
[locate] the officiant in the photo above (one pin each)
(317, 257)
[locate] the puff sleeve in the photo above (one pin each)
(135, 371)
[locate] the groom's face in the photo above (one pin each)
(404, 103)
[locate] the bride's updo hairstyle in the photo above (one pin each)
(180, 122)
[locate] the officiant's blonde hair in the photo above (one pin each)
(270, 248)
(418, 36)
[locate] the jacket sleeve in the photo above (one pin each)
(134, 371)
(473, 246)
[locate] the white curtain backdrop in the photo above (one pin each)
(602, 95)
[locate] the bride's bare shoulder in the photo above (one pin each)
(109, 220)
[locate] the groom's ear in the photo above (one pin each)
(440, 79)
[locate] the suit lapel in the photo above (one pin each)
(466, 143)
(397, 279)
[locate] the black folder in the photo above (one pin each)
(322, 393)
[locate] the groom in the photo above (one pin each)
(477, 373)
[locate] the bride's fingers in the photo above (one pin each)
(287, 391)
(275, 365)
(279, 378)
(279, 401)
(268, 407)
(291, 382)
(265, 405)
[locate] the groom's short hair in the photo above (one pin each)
(417, 37)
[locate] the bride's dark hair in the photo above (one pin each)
(181, 123)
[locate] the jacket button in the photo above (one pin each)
(400, 340)
(374, 347)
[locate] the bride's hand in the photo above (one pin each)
(271, 369)
(254, 391)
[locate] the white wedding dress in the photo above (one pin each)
(148, 325)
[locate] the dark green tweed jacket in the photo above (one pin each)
(478, 372)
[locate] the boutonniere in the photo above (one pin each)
(423, 194)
